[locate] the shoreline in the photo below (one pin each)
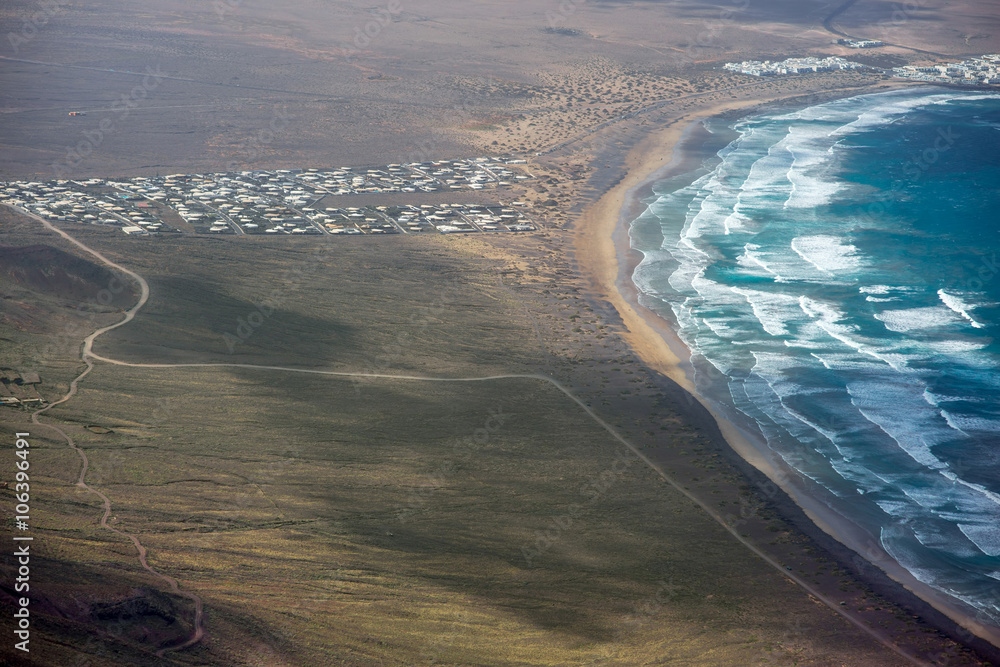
(670, 151)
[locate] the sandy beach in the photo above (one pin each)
(606, 258)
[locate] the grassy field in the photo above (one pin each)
(410, 305)
(329, 521)
(488, 523)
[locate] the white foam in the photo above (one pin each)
(964, 423)
(937, 399)
(900, 419)
(750, 259)
(933, 576)
(951, 421)
(865, 480)
(847, 362)
(931, 398)
(812, 152)
(806, 344)
(988, 96)
(722, 328)
(753, 259)
(741, 197)
(979, 488)
(890, 108)
(827, 253)
(894, 507)
(688, 242)
(768, 178)
(961, 348)
(737, 222)
(718, 295)
(911, 319)
(773, 310)
(884, 293)
(986, 536)
(827, 319)
(961, 307)
(818, 309)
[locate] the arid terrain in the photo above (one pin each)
(557, 498)
(372, 84)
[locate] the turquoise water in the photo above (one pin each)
(834, 272)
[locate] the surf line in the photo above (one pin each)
(88, 356)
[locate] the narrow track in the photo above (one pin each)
(199, 606)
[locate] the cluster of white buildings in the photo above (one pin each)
(81, 202)
(861, 43)
(792, 66)
(441, 218)
(282, 201)
(979, 70)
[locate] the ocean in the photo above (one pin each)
(834, 272)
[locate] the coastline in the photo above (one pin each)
(604, 251)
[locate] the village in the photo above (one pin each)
(286, 201)
(792, 66)
(980, 70)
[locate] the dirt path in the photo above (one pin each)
(199, 606)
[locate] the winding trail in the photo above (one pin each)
(198, 633)
(199, 606)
